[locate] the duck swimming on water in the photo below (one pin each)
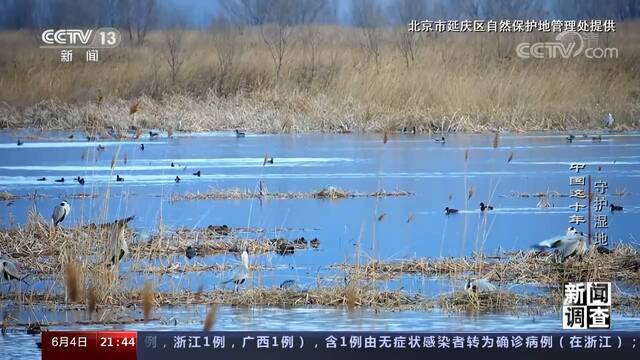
(449, 211)
(484, 207)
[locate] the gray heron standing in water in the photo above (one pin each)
(608, 120)
(9, 270)
(241, 271)
(117, 245)
(60, 212)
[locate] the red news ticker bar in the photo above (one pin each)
(91, 345)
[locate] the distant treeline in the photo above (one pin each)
(139, 16)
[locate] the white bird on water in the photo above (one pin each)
(241, 271)
(574, 243)
(60, 212)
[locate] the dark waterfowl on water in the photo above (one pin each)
(442, 140)
(413, 130)
(70, 136)
(191, 252)
(288, 285)
(119, 178)
(20, 142)
(615, 208)
(300, 241)
(239, 133)
(100, 147)
(219, 229)
(597, 138)
(33, 329)
(177, 179)
(315, 243)
(197, 173)
(286, 249)
(80, 180)
(484, 207)
(570, 138)
(172, 164)
(42, 179)
(61, 180)
(603, 250)
(449, 211)
(153, 134)
(142, 147)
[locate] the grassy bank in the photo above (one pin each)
(327, 82)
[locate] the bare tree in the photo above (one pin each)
(173, 49)
(406, 41)
(228, 48)
(307, 11)
(367, 15)
(510, 10)
(251, 12)
(311, 46)
(136, 17)
(469, 9)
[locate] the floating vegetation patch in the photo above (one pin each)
(549, 194)
(7, 196)
(239, 194)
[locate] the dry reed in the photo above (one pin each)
(484, 93)
(72, 281)
(210, 320)
(147, 296)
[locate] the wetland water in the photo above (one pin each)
(413, 226)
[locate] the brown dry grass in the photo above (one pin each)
(518, 267)
(331, 297)
(459, 82)
(349, 298)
